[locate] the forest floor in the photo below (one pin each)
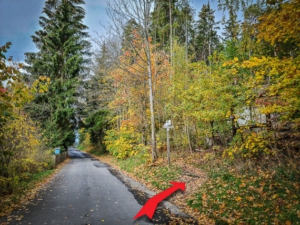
(220, 191)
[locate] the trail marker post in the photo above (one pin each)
(168, 125)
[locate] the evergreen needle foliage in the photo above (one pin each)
(62, 50)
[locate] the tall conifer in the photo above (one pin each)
(174, 14)
(62, 56)
(207, 39)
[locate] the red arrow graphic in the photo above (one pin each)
(149, 208)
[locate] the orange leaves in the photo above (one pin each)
(204, 200)
(20, 137)
(127, 53)
(243, 196)
(238, 199)
(132, 84)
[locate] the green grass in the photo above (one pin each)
(161, 176)
(23, 187)
(131, 163)
(158, 174)
(40, 176)
(250, 196)
(80, 147)
(97, 152)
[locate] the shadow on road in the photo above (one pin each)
(76, 154)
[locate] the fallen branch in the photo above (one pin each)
(193, 175)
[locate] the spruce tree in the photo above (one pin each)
(231, 34)
(62, 56)
(231, 26)
(207, 40)
(174, 14)
(99, 92)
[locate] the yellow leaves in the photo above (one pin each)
(222, 206)
(225, 64)
(123, 143)
(274, 196)
(281, 25)
(238, 199)
(258, 205)
(40, 85)
(242, 185)
(250, 198)
(234, 71)
(22, 137)
(253, 145)
(16, 92)
(204, 199)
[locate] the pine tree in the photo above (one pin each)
(62, 56)
(171, 17)
(231, 26)
(99, 92)
(207, 40)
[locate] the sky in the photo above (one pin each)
(19, 19)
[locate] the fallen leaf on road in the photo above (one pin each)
(19, 217)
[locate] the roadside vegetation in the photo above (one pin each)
(243, 193)
(24, 158)
(223, 191)
(233, 100)
(39, 100)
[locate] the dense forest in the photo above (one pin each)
(230, 87)
(238, 89)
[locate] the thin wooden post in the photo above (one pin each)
(168, 146)
(168, 125)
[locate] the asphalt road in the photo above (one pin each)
(85, 191)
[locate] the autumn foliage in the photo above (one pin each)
(238, 108)
(22, 152)
(243, 97)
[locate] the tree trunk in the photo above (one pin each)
(232, 123)
(212, 133)
(151, 99)
(189, 139)
(171, 33)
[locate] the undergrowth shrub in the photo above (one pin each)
(124, 142)
(22, 153)
(249, 144)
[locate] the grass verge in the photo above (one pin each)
(267, 194)
(157, 174)
(233, 192)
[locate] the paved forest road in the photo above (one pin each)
(83, 192)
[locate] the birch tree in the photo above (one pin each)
(121, 12)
